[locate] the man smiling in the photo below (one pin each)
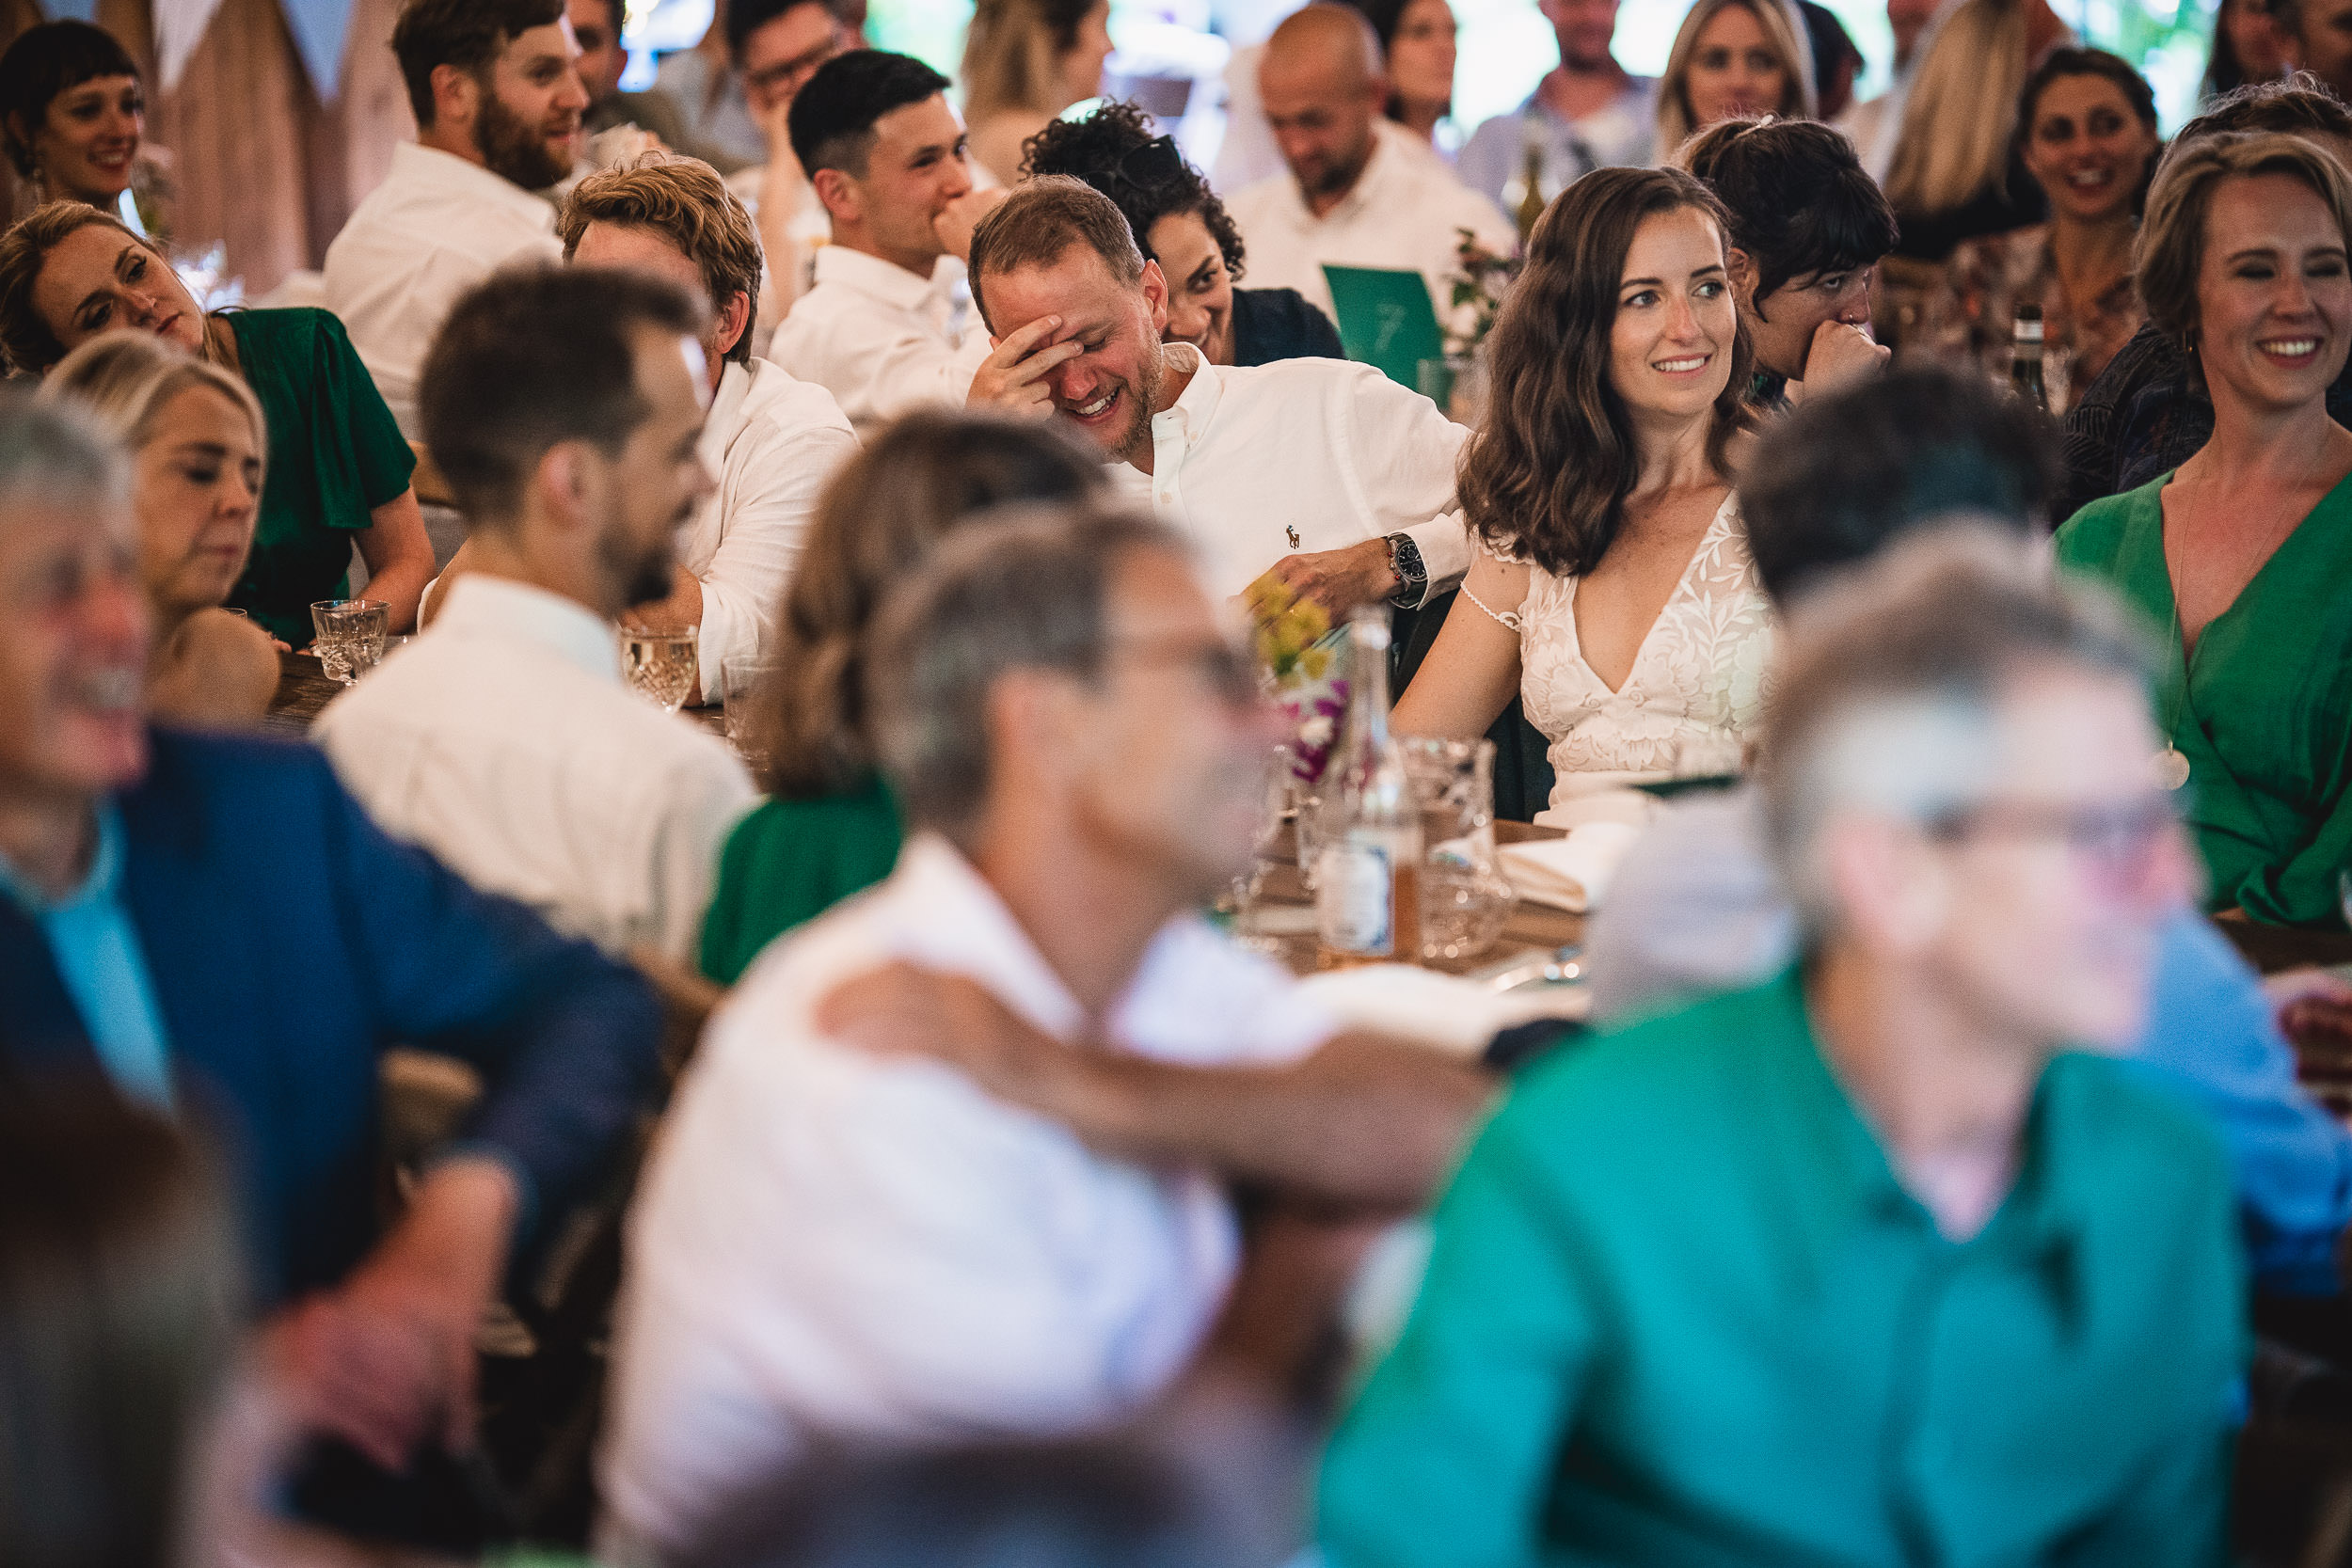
(885, 155)
(1324, 470)
(497, 101)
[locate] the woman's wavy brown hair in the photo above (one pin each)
(1546, 480)
(883, 515)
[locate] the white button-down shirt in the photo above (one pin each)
(504, 740)
(834, 1244)
(434, 229)
(1335, 451)
(1404, 213)
(773, 442)
(881, 341)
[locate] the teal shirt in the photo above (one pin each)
(790, 861)
(97, 956)
(1680, 1313)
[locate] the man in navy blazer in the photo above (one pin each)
(214, 923)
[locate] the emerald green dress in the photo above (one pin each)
(791, 861)
(1681, 1312)
(335, 455)
(2263, 711)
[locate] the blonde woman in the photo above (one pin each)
(1951, 174)
(196, 441)
(1025, 61)
(1733, 59)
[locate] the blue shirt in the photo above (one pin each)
(97, 956)
(1695, 907)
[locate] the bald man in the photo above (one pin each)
(1359, 190)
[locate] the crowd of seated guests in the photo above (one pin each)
(864, 1147)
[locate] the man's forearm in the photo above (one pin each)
(1363, 1121)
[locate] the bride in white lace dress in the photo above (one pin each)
(1612, 589)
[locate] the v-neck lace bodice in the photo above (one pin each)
(1698, 678)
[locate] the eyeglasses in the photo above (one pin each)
(2116, 839)
(784, 73)
(1224, 668)
(1144, 170)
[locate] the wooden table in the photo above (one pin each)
(303, 688)
(1531, 930)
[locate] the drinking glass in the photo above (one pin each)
(746, 699)
(1465, 897)
(660, 665)
(349, 635)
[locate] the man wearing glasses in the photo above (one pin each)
(1884, 1258)
(1696, 907)
(837, 1241)
(778, 45)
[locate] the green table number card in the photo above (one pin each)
(1385, 320)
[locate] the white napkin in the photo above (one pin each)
(1444, 1012)
(1572, 873)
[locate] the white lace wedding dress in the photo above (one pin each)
(1695, 691)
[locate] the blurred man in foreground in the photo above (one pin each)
(1078, 749)
(1869, 1263)
(218, 927)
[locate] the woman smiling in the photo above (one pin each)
(2087, 132)
(1733, 59)
(73, 121)
(2241, 553)
(1179, 222)
(1613, 591)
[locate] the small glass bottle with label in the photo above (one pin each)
(1368, 858)
(2025, 356)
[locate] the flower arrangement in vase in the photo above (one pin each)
(1298, 646)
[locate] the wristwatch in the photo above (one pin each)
(1412, 578)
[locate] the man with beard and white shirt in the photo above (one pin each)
(566, 407)
(882, 328)
(1325, 472)
(772, 442)
(497, 101)
(1361, 192)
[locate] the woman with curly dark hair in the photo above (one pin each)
(1179, 222)
(1612, 589)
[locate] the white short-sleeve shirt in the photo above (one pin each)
(834, 1244)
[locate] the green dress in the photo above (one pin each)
(791, 861)
(335, 455)
(2263, 711)
(1680, 1312)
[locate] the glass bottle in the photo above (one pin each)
(1532, 203)
(2025, 356)
(1368, 859)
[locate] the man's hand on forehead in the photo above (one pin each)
(1019, 374)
